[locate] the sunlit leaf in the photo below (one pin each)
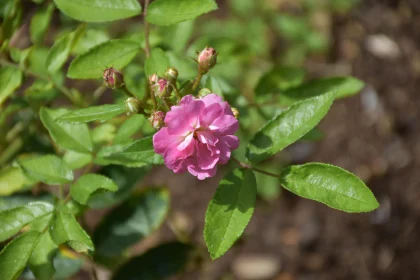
(93, 113)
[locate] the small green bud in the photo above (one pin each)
(206, 59)
(203, 92)
(113, 78)
(157, 119)
(235, 112)
(133, 105)
(171, 75)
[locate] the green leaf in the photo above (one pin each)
(66, 264)
(12, 180)
(60, 51)
(330, 185)
(344, 86)
(125, 178)
(132, 221)
(40, 23)
(128, 129)
(89, 184)
(314, 135)
(278, 79)
(229, 211)
(90, 39)
(75, 137)
(76, 160)
(140, 151)
(166, 12)
(15, 255)
(13, 220)
(48, 169)
(41, 260)
(64, 228)
(99, 10)
(103, 133)
(94, 113)
(157, 63)
(288, 127)
(160, 262)
(10, 80)
(91, 65)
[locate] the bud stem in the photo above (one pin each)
(127, 92)
(197, 81)
(146, 30)
(177, 92)
(244, 165)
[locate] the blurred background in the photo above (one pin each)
(374, 134)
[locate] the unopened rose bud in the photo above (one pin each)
(153, 79)
(203, 92)
(235, 112)
(133, 105)
(157, 119)
(171, 75)
(206, 59)
(162, 88)
(113, 78)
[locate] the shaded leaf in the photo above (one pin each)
(99, 10)
(279, 79)
(13, 220)
(128, 129)
(229, 211)
(41, 259)
(75, 137)
(113, 53)
(330, 185)
(15, 255)
(48, 169)
(160, 262)
(288, 127)
(166, 12)
(132, 221)
(93, 113)
(40, 23)
(89, 184)
(157, 63)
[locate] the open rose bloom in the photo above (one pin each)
(198, 135)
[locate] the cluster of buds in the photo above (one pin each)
(163, 87)
(157, 119)
(113, 78)
(206, 60)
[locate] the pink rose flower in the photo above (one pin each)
(198, 135)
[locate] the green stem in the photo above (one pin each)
(197, 81)
(244, 165)
(67, 93)
(146, 29)
(178, 95)
(152, 97)
(127, 92)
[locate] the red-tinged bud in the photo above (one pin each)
(162, 88)
(153, 79)
(206, 59)
(171, 75)
(203, 92)
(157, 119)
(133, 105)
(113, 78)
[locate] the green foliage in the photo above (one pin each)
(157, 63)
(73, 137)
(41, 259)
(13, 220)
(10, 80)
(229, 211)
(93, 113)
(289, 126)
(48, 169)
(65, 229)
(40, 23)
(279, 79)
(99, 10)
(89, 184)
(131, 222)
(330, 185)
(161, 262)
(114, 53)
(165, 12)
(343, 86)
(12, 179)
(14, 256)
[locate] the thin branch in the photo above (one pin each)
(146, 29)
(244, 165)
(197, 81)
